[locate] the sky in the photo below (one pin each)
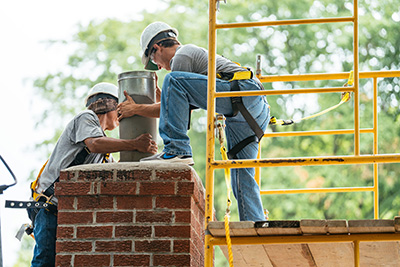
(25, 25)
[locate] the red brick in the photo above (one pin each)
(157, 188)
(130, 175)
(65, 232)
(114, 217)
(68, 176)
(172, 231)
(75, 217)
(153, 216)
(173, 202)
(183, 216)
(153, 246)
(185, 188)
(66, 203)
(196, 257)
(172, 260)
(63, 260)
(198, 241)
(118, 188)
(198, 196)
(95, 202)
(132, 260)
(72, 188)
(92, 260)
(181, 246)
(95, 175)
(114, 246)
(181, 175)
(85, 232)
(133, 231)
(64, 176)
(134, 202)
(76, 246)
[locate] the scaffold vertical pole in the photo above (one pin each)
(356, 82)
(212, 36)
(375, 127)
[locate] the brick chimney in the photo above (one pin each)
(130, 214)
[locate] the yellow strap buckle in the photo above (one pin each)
(242, 75)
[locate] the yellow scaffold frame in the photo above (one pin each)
(376, 158)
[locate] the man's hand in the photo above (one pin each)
(144, 143)
(126, 108)
(158, 90)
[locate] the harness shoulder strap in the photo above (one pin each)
(237, 105)
(78, 160)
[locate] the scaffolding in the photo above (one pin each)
(356, 158)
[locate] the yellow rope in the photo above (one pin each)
(220, 133)
(228, 240)
(345, 98)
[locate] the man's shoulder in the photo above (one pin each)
(190, 48)
(86, 113)
(82, 118)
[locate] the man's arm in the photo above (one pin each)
(104, 144)
(129, 108)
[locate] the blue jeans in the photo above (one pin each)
(181, 89)
(45, 232)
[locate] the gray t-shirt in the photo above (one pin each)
(191, 58)
(84, 125)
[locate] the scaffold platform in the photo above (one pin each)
(311, 242)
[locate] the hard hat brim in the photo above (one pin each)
(148, 64)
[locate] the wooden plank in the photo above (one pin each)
(278, 228)
(337, 227)
(379, 254)
(313, 227)
(333, 254)
(246, 228)
(290, 255)
(397, 223)
(371, 226)
(248, 256)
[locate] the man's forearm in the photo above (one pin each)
(148, 110)
(108, 145)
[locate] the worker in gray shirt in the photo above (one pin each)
(185, 87)
(83, 141)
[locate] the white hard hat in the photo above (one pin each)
(103, 88)
(153, 33)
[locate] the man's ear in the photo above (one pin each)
(156, 46)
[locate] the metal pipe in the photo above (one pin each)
(283, 22)
(286, 91)
(140, 85)
(356, 83)
(210, 151)
(314, 133)
(306, 161)
(302, 239)
(318, 190)
(326, 76)
(375, 127)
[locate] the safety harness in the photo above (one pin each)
(43, 199)
(238, 106)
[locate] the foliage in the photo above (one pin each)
(106, 48)
(25, 252)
